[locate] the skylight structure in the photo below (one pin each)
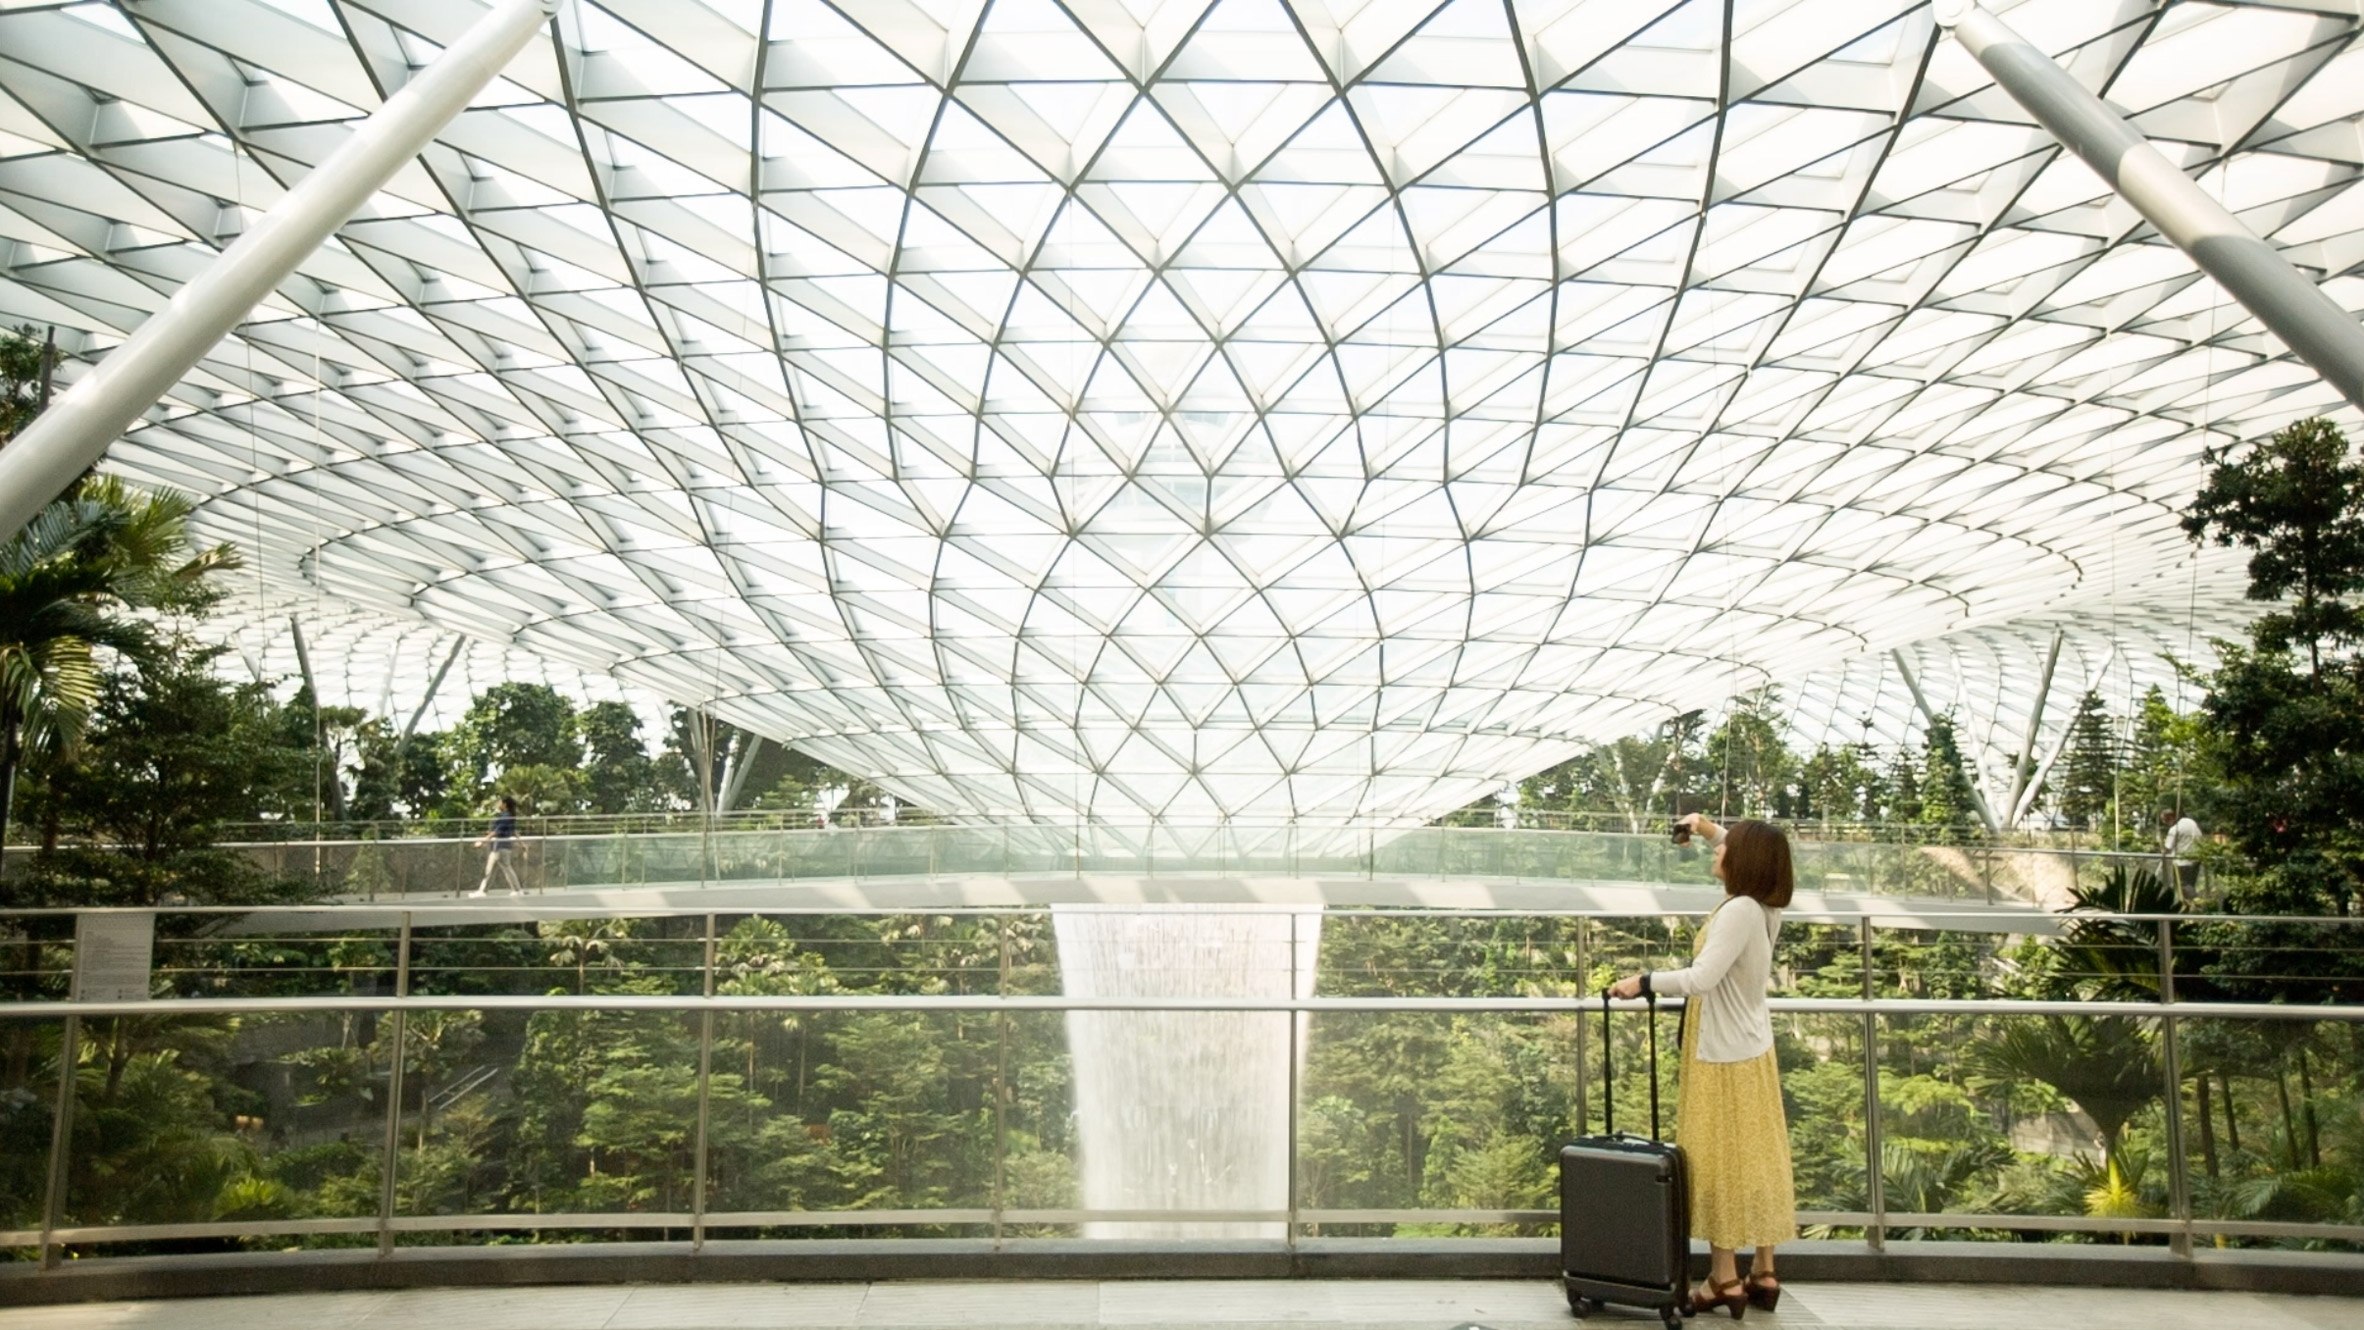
(1306, 409)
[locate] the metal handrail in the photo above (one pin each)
(1040, 1002)
(2181, 1226)
(548, 906)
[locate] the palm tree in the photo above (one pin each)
(2106, 1065)
(69, 584)
(582, 943)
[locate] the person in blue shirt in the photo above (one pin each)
(500, 846)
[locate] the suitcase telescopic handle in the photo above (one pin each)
(1609, 1069)
(1652, 998)
(1608, 1072)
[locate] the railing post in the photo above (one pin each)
(1001, 1084)
(2179, 1188)
(61, 1139)
(1583, 974)
(1876, 1235)
(401, 1023)
(1296, 1019)
(705, 1097)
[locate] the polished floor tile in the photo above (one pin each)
(740, 1307)
(1182, 1305)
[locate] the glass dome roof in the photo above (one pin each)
(1294, 409)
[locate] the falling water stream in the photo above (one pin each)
(1185, 1110)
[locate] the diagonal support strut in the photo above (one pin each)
(2317, 331)
(72, 435)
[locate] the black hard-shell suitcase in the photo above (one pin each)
(1625, 1208)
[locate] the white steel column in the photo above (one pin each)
(75, 432)
(2253, 272)
(1986, 815)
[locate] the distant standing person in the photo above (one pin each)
(2182, 834)
(500, 847)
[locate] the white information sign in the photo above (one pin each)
(112, 956)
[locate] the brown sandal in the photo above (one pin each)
(1764, 1291)
(1731, 1296)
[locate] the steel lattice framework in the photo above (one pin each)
(1314, 408)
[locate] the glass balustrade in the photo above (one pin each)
(302, 1079)
(743, 853)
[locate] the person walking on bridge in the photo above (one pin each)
(500, 847)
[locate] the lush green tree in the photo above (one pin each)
(173, 753)
(1904, 805)
(618, 775)
(392, 778)
(2295, 501)
(1837, 784)
(1637, 779)
(327, 738)
(2106, 1065)
(24, 376)
(71, 584)
(2285, 714)
(2089, 766)
(1746, 761)
(1948, 812)
(512, 725)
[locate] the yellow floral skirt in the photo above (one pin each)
(1736, 1138)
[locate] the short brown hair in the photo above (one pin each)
(1756, 863)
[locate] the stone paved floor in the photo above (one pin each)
(1147, 1305)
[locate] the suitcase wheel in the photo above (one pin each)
(1582, 1305)
(1672, 1316)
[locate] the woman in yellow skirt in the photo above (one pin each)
(1730, 1123)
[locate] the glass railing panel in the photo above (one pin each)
(256, 1120)
(1619, 946)
(1819, 960)
(735, 856)
(2271, 1136)
(271, 954)
(896, 851)
(851, 1111)
(1420, 1111)
(512, 1113)
(1952, 963)
(1822, 1091)
(2023, 1116)
(671, 860)
(1041, 848)
(1261, 848)
(1110, 847)
(968, 851)
(2270, 960)
(28, 1099)
(527, 956)
(36, 957)
(1405, 954)
(1041, 1166)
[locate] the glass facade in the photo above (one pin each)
(1183, 409)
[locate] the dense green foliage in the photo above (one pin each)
(2285, 712)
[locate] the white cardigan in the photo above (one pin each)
(1726, 983)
